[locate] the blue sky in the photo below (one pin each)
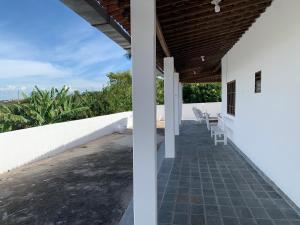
(44, 43)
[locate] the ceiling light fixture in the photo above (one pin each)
(217, 5)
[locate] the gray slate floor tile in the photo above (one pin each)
(208, 185)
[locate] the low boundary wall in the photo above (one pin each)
(187, 113)
(23, 146)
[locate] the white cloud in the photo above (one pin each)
(10, 68)
(79, 57)
(11, 48)
(13, 88)
(86, 52)
(73, 55)
(10, 92)
(8, 88)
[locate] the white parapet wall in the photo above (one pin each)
(187, 113)
(23, 146)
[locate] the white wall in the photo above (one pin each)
(187, 113)
(266, 125)
(22, 146)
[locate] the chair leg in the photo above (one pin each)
(216, 140)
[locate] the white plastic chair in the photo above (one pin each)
(198, 114)
(209, 123)
(218, 132)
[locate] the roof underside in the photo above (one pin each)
(191, 29)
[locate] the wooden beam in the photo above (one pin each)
(161, 38)
(228, 8)
(189, 29)
(214, 78)
(192, 32)
(229, 18)
(203, 39)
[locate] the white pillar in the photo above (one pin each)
(180, 102)
(143, 46)
(176, 103)
(169, 107)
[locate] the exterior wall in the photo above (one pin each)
(22, 146)
(266, 125)
(187, 113)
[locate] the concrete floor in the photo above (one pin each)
(208, 185)
(87, 185)
(92, 184)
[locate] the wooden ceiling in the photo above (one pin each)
(192, 29)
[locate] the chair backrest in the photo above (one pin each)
(221, 123)
(207, 121)
(198, 114)
(198, 110)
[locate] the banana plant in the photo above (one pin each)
(9, 119)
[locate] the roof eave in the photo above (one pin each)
(97, 16)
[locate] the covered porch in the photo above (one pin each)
(186, 42)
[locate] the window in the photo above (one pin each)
(231, 98)
(258, 82)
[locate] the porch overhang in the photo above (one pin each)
(99, 18)
(190, 31)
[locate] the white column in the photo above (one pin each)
(180, 102)
(143, 46)
(176, 103)
(169, 107)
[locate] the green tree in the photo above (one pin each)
(159, 91)
(119, 92)
(206, 92)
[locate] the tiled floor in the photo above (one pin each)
(208, 185)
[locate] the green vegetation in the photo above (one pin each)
(51, 106)
(193, 93)
(209, 92)
(160, 91)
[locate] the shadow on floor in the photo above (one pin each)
(87, 185)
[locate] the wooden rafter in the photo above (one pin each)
(189, 29)
(161, 38)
